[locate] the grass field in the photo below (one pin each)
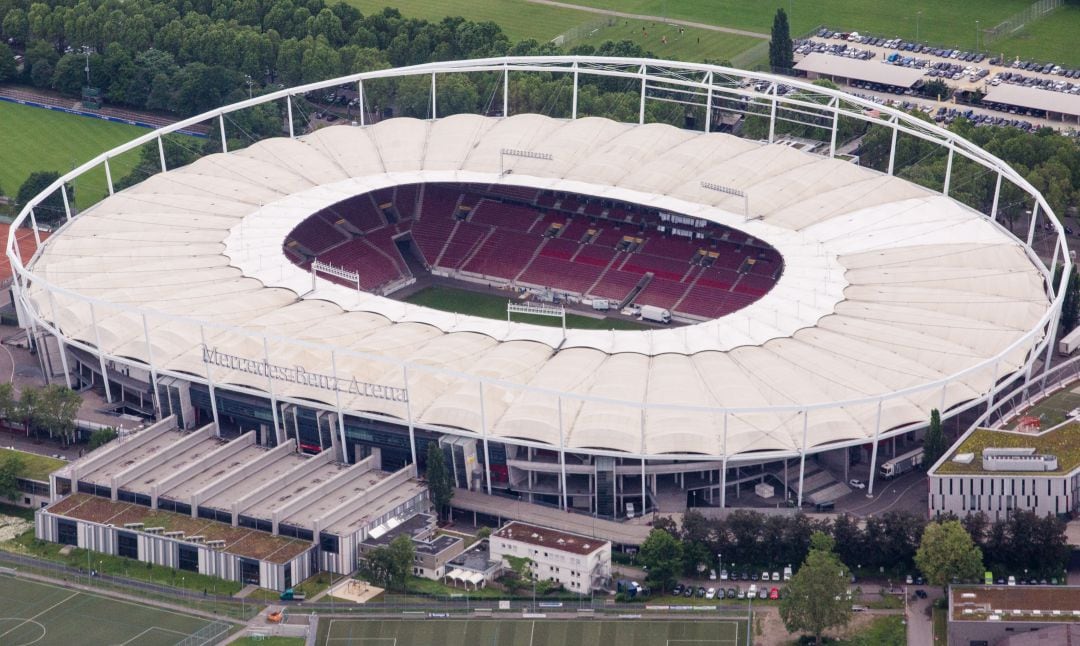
(33, 139)
(35, 466)
(493, 306)
(46, 614)
(944, 23)
(470, 632)
(1053, 410)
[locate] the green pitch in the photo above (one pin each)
(33, 139)
(38, 613)
(493, 306)
(512, 632)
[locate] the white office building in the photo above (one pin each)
(579, 563)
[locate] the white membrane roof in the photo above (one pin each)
(887, 286)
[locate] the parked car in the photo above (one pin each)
(677, 590)
(689, 591)
(701, 592)
(710, 593)
(740, 593)
(787, 573)
(723, 575)
(1012, 580)
(775, 576)
(920, 594)
(712, 575)
(774, 594)
(855, 483)
(765, 576)
(910, 580)
(763, 594)
(732, 593)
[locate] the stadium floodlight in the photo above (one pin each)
(537, 309)
(318, 266)
(712, 186)
(518, 152)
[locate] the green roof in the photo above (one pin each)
(35, 467)
(1063, 442)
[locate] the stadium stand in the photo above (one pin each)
(525, 236)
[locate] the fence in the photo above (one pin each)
(208, 634)
(1018, 21)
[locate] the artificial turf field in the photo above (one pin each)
(513, 632)
(493, 306)
(33, 139)
(43, 614)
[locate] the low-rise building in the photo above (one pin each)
(579, 563)
(996, 615)
(996, 472)
(433, 551)
(213, 496)
(33, 480)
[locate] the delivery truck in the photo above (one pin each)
(901, 464)
(655, 314)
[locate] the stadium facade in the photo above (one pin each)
(181, 293)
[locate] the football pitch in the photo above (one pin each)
(515, 632)
(493, 306)
(42, 614)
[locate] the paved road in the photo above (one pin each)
(638, 16)
(920, 627)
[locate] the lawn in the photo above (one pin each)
(116, 565)
(1046, 39)
(34, 139)
(35, 467)
(493, 306)
(47, 614)
(941, 626)
(509, 632)
(945, 23)
(1052, 410)
(883, 631)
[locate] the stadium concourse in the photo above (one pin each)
(868, 286)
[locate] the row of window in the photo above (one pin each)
(997, 486)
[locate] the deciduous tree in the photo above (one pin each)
(440, 484)
(947, 552)
(816, 601)
(662, 554)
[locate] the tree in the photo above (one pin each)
(55, 411)
(934, 445)
(781, 54)
(816, 594)
(440, 485)
(51, 209)
(390, 566)
(9, 406)
(25, 408)
(947, 552)
(662, 554)
(11, 467)
(101, 437)
(1071, 304)
(8, 70)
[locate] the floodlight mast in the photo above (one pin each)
(731, 191)
(518, 152)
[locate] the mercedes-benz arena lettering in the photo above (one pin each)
(894, 298)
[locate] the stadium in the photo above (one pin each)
(820, 310)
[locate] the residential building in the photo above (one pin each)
(579, 563)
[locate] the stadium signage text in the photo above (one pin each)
(298, 375)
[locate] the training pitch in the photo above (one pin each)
(513, 632)
(39, 613)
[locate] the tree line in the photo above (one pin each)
(47, 411)
(881, 543)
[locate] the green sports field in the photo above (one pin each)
(33, 139)
(943, 23)
(493, 306)
(507, 632)
(38, 613)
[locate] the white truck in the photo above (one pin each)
(901, 464)
(655, 314)
(1068, 344)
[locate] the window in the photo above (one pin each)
(329, 543)
(67, 532)
(288, 575)
(127, 545)
(249, 571)
(189, 558)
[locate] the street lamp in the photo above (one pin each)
(976, 35)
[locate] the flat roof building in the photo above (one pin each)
(1000, 614)
(1057, 105)
(191, 483)
(818, 65)
(997, 471)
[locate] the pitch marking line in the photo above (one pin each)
(151, 628)
(55, 605)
